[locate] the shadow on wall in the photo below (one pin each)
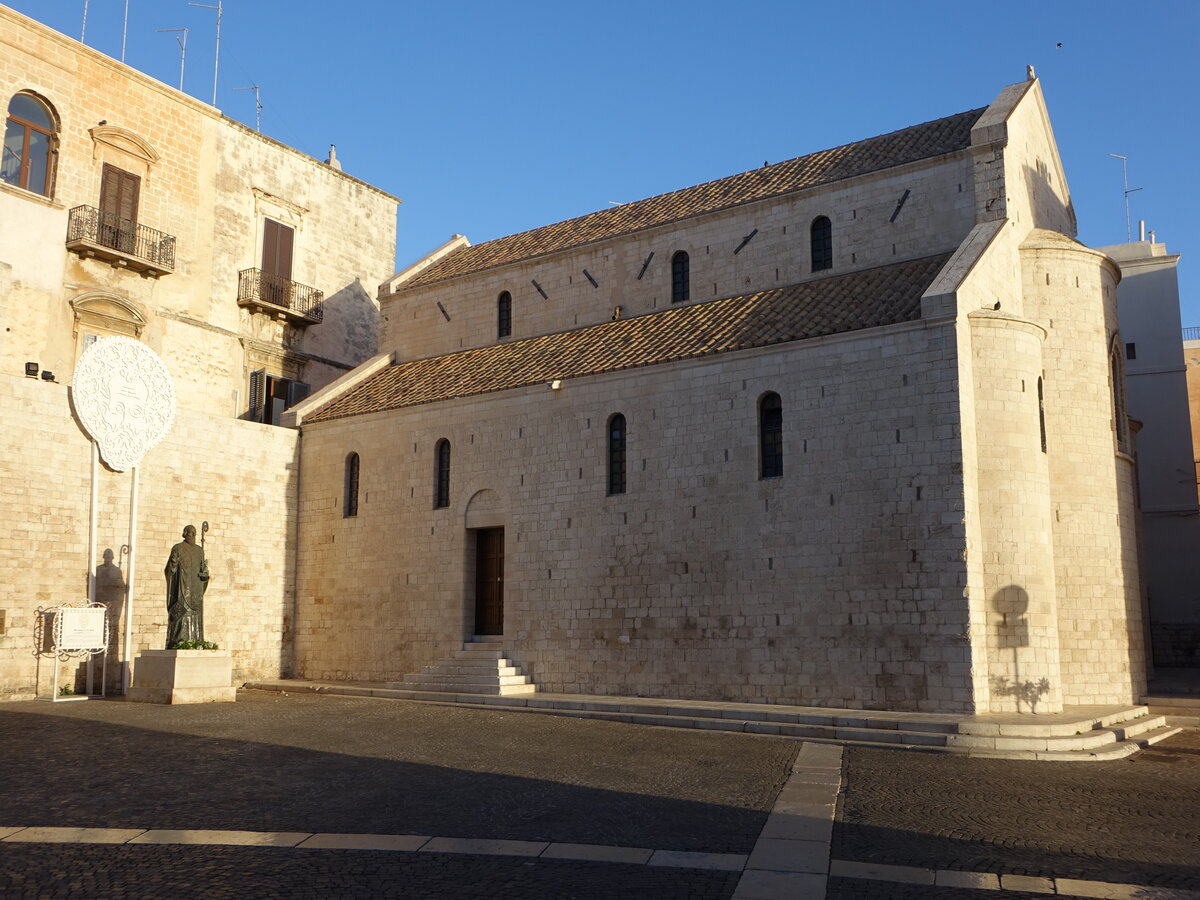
(355, 318)
(1048, 209)
(1012, 632)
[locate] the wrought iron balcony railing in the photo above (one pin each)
(122, 242)
(282, 295)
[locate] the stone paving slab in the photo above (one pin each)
(51, 835)
(780, 886)
(215, 838)
(632, 855)
(685, 859)
(405, 843)
(484, 847)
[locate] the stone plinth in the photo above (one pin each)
(183, 676)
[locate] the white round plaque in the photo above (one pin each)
(124, 398)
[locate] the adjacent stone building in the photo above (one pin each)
(129, 208)
(846, 430)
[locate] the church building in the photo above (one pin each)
(847, 430)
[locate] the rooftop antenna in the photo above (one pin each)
(257, 104)
(83, 30)
(217, 59)
(124, 30)
(182, 49)
(1125, 176)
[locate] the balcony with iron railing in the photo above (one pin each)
(279, 297)
(1192, 333)
(121, 242)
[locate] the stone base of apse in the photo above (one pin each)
(183, 676)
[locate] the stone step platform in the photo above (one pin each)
(479, 668)
(1179, 709)
(1083, 733)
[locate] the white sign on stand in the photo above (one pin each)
(81, 628)
(74, 632)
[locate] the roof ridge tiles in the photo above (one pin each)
(904, 145)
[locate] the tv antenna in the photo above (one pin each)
(182, 41)
(124, 27)
(257, 104)
(1125, 177)
(217, 59)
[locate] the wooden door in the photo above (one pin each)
(489, 581)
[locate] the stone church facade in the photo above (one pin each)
(847, 430)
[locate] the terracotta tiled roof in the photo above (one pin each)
(883, 152)
(881, 296)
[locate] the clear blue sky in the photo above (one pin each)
(490, 118)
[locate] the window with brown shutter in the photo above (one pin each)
(278, 240)
(119, 193)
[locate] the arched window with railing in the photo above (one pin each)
(770, 436)
(30, 144)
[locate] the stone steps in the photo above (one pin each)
(478, 668)
(1083, 733)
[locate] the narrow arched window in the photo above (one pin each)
(616, 454)
(441, 476)
(770, 436)
(1042, 413)
(350, 492)
(822, 243)
(504, 314)
(1120, 416)
(680, 277)
(29, 143)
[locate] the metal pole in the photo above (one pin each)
(217, 60)
(124, 30)
(133, 511)
(93, 527)
(82, 36)
(93, 519)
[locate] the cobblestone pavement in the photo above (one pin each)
(310, 763)
(1134, 821)
(332, 764)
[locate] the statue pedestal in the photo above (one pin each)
(182, 676)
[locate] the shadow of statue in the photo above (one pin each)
(110, 590)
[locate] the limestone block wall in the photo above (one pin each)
(1013, 504)
(1073, 290)
(239, 476)
(935, 216)
(840, 583)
